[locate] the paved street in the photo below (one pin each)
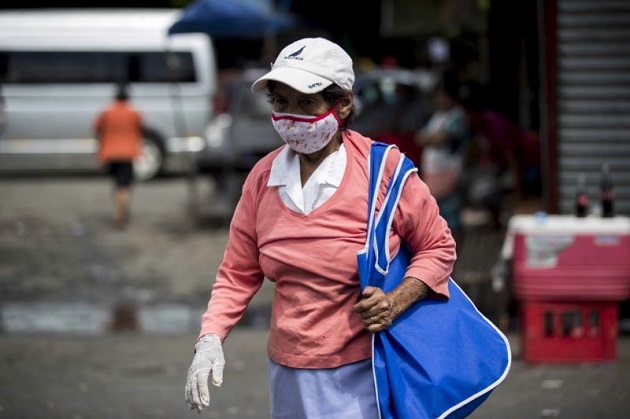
(130, 375)
(100, 323)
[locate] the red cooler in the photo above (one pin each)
(569, 275)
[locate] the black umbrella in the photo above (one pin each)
(231, 19)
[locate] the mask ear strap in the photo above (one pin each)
(333, 111)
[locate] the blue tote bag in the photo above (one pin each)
(439, 359)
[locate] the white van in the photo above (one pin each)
(59, 68)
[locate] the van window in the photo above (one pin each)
(44, 67)
(154, 67)
(257, 106)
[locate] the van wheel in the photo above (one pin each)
(150, 163)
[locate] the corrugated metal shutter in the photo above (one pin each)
(593, 97)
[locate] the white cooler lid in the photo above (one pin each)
(541, 223)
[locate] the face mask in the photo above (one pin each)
(306, 134)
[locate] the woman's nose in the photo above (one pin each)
(293, 108)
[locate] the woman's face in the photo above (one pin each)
(285, 99)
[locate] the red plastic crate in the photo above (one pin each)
(568, 332)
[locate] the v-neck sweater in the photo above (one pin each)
(312, 259)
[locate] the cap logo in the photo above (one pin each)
(295, 55)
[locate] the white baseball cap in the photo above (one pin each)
(310, 65)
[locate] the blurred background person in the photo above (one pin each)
(118, 129)
(503, 158)
(443, 141)
(407, 113)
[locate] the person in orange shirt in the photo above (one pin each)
(119, 131)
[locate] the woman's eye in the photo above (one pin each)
(277, 103)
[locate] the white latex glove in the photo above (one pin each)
(208, 359)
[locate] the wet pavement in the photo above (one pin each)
(100, 323)
(61, 259)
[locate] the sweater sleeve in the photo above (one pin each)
(419, 223)
(239, 276)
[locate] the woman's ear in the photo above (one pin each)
(345, 105)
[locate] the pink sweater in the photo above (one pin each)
(312, 259)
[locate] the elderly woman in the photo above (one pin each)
(299, 223)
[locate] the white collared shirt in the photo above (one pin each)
(285, 173)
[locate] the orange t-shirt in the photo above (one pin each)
(119, 130)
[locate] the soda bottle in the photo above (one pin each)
(581, 197)
(607, 193)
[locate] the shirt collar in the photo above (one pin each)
(281, 167)
(287, 164)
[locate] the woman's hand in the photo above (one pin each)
(378, 310)
(375, 309)
(207, 363)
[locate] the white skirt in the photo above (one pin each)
(346, 392)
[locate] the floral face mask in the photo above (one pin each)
(306, 134)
